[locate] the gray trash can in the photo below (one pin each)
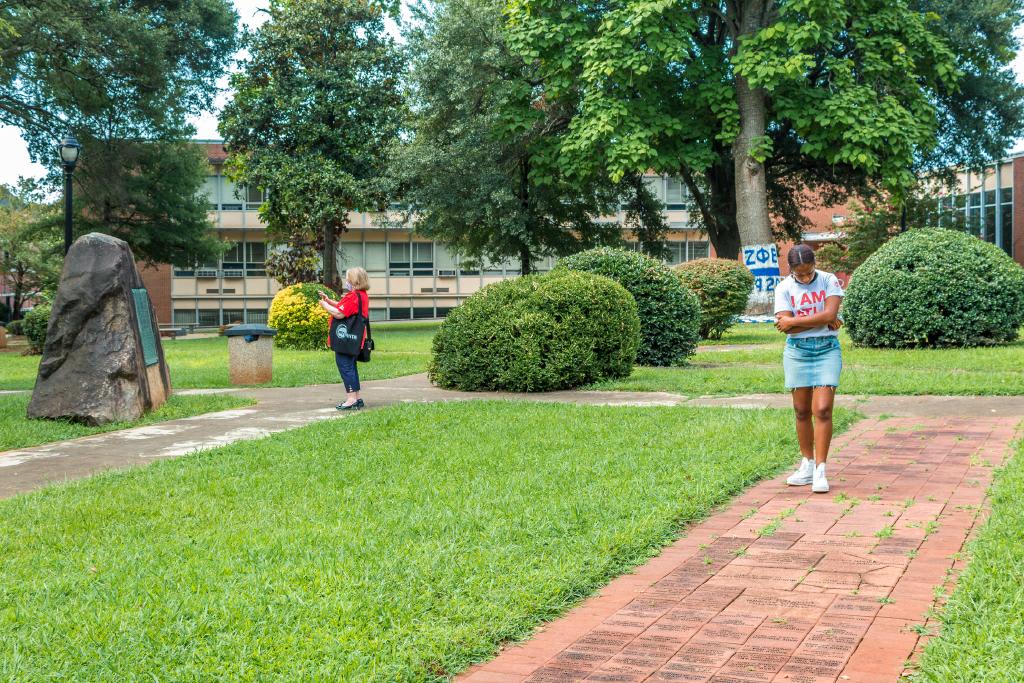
(250, 353)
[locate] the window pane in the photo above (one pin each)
(232, 316)
(210, 186)
(229, 198)
(209, 318)
(655, 185)
(398, 262)
(676, 194)
(253, 195)
(699, 250)
(423, 258)
(256, 252)
(184, 316)
(421, 312)
(256, 316)
(376, 257)
(444, 260)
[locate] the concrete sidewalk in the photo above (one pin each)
(279, 409)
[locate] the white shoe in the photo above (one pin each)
(820, 484)
(803, 475)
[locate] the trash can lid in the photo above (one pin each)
(245, 330)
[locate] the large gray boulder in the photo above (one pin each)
(102, 361)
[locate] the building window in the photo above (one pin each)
(400, 313)
(423, 312)
(256, 316)
(254, 198)
(422, 258)
(232, 316)
(376, 257)
(232, 260)
(698, 250)
(230, 196)
(399, 261)
(378, 314)
(184, 316)
(255, 258)
(445, 261)
(656, 186)
(184, 272)
(675, 194)
(209, 318)
(211, 185)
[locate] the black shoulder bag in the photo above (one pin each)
(347, 333)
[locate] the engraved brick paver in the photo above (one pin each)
(834, 594)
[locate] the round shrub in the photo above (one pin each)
(723, 287)
(34, 326)
(537, 333)
(935, 288)
(300, 321)
(669, 313)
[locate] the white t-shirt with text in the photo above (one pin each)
(804, 300)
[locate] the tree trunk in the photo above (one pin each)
(759, 252)
(721, 181)
(525, 260)
(330, 274)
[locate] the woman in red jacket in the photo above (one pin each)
(356, 284)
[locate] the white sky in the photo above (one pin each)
(15, 162)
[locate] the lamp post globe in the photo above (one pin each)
(69, 151)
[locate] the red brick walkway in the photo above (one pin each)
(789, 586)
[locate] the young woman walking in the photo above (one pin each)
(356, 284)
(807, 310)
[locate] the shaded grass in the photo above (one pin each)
(982, 637)
(395, 545)
(402, 349)
(17, 431)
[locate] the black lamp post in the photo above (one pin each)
(69, 150)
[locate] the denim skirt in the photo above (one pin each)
(812, 362)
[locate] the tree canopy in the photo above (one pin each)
(123, 78)
(765, 106)
(316, 106)
(480, 171)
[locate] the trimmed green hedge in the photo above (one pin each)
(723, 287)
(669, 312)
(537, 333)
(935, 288)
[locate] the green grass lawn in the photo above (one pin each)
(997, 370)
(395, 545)
(402, 349)
(982, 637)
(17, 431)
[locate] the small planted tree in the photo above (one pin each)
(723, 287)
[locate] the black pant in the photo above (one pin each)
(348, 370)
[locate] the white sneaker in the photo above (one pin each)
(803, 475)
(820, 484)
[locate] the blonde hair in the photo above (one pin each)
(359, 279)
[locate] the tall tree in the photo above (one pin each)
(834, 93)
(481, 172)
(30, 255)
(124, 78)
(317, 105)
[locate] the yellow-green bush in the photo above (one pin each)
(300, 321)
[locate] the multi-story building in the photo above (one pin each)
(414, 278)
(411, 277)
